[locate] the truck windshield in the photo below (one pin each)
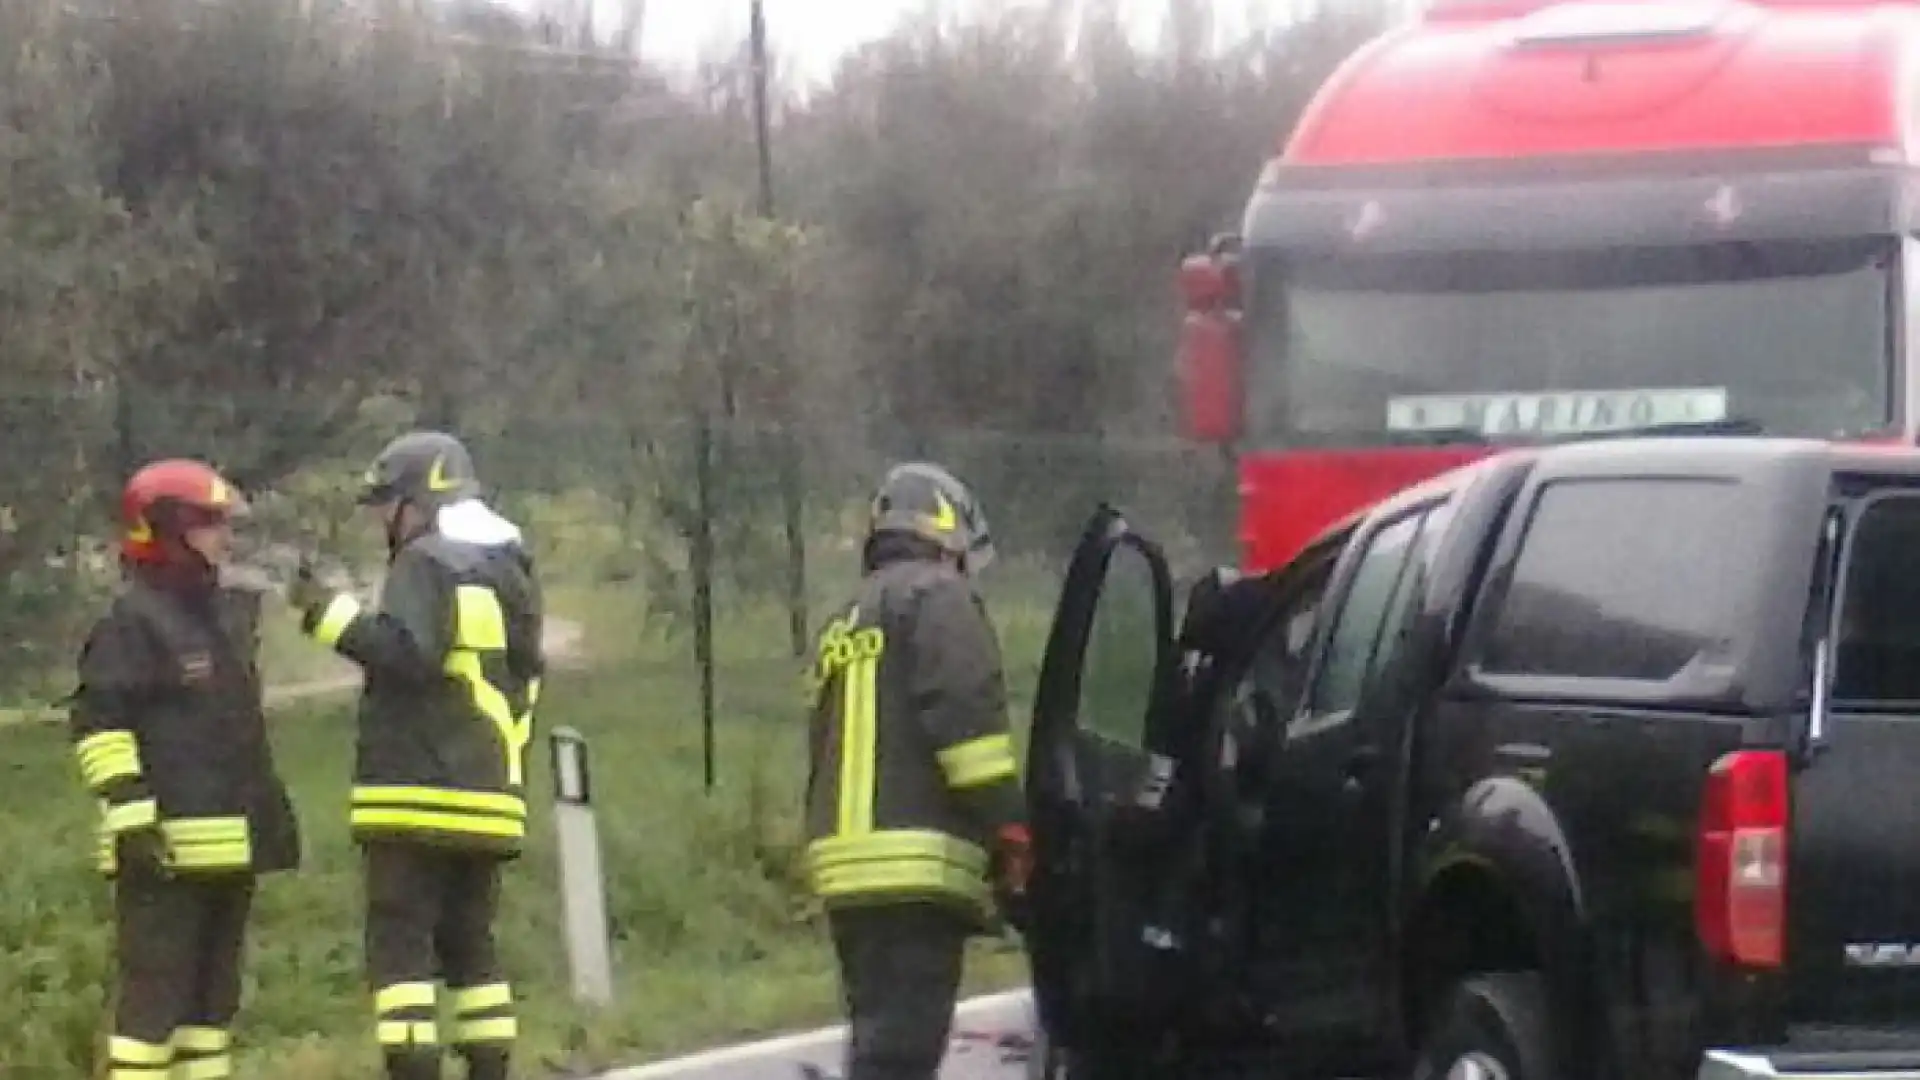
(1359, 350)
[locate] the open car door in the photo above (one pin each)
(1106, 962)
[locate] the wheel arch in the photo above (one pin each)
(1499, 892)
(1466, 922)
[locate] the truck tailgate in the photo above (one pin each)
(1853, 879)
(1853, 843)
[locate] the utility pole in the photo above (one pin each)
(791, 473)
(762, 142)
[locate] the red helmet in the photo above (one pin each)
(165, 499)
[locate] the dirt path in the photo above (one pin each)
(563, 641)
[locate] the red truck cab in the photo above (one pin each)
(1517, 219)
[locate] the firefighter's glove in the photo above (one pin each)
(1013, 859)
(143, 852)
(306, 594)
(1012, 872)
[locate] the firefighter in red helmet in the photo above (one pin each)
(170, 737)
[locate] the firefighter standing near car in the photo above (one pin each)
(452, 661)
(170, 736)
(914, 816)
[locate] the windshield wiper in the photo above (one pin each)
(1732, 425)
(1468, 436)
(1444, 436)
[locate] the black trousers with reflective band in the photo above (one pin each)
(430, 916)
(900, 970)
(179, 951)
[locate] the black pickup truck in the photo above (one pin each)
(1598, 760)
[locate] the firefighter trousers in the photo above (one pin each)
(430, 915)
(900, 970)
(178, 951)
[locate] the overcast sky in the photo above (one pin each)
(812, 33)
(815, 33)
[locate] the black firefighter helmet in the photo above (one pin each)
(426, 468)
(925, 500)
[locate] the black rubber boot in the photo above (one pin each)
(413, 1065)
(486, 1062)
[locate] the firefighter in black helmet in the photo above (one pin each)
(171, 740)
(914, 815)
(453, 665)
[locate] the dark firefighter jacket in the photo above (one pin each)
(169, 732)
(912, 768)
(452, 668)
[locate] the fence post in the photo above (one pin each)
(583, 888)
(702, 560)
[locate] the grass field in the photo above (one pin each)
(712, 939)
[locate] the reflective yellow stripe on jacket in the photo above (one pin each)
(334, 620)
(860, 862)
(209, 843)
(859, 656)
(979, 762)
(193, 844)
(403, 808)
(493, 818)
(106, 756)
(898, 863)
(480, 629)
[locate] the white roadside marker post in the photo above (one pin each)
(583, 887)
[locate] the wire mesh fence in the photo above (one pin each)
(643, 531)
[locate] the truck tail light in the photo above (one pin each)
(1740, 860)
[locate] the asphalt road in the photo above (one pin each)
(992, 1038)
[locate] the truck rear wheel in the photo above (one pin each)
(1493, 1027)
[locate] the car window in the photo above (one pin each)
(1401, 607)
(1878, 654)
(1621, 579)
(1367, 613)
(1116, 688)
(1279, 671)
(1267, 695)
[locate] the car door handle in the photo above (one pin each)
(1525, 753)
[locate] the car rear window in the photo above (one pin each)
(1878, 658)
(1621, 579)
